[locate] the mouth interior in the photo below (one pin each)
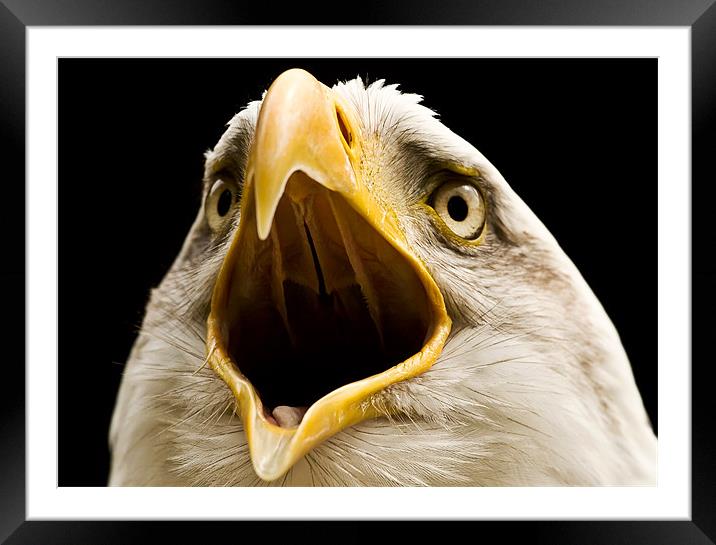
(324, 301)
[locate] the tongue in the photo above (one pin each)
(288, 417)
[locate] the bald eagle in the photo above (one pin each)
(363, 300)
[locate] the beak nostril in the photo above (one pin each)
(343, 126)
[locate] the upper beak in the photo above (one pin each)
(303, 173)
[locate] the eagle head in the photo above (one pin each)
(363, 300)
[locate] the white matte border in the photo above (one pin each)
(670, 499)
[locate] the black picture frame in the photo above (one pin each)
(16, 15)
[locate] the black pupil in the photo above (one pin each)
(457, 208)
(222, 207)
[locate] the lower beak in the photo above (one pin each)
(319, 305)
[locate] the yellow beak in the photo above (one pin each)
(314, 231)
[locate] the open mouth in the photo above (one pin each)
(319, 304)
(324, 301)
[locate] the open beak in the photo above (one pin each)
(319, 304)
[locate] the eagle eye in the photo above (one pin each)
(219, 202)
(461, 207)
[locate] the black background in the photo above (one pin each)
(575, 138)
